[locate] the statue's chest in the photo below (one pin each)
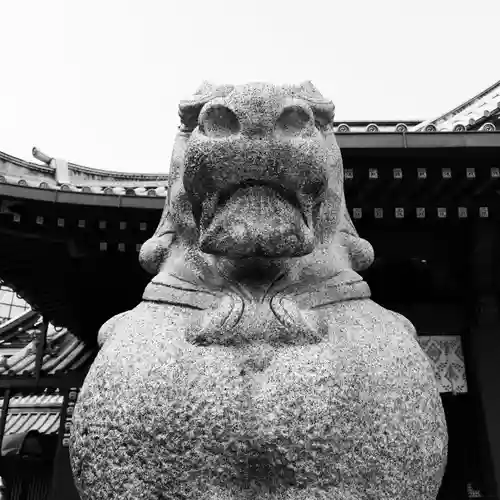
(289, 314)
(236, 321)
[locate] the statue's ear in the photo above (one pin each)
(189, 109)
(324, 109)
(308, 88)
(205, 89)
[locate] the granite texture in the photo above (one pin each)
(256, 365)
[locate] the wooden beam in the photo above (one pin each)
(62, 477)
(22, 383)
(88, 199)
(3, 417)
(40, 348)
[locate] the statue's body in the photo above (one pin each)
(256, 366)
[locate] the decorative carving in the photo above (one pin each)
(447, 360)
(256, 365)
(471, 173)
(343, 128)
(483, 212)
(459, 127)
(487, 127)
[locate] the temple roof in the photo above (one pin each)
(16, 333)
(63, 351)
(482, 113)
(34, 412)
(60, 175)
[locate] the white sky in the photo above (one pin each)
(98, 81)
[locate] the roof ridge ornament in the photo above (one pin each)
(59, 165)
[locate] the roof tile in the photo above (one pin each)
(45, 422)
(102, 189)
(33, 412)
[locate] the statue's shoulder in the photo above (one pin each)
(109, 328)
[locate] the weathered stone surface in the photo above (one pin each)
(256, 366)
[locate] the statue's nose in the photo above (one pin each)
(295, 119)
(217, 120)
(221, 121)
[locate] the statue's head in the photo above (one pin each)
(256, 173)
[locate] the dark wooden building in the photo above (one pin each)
(425, 194)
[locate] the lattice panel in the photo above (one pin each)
(446, 356)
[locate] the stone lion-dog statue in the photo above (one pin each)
(256, 365)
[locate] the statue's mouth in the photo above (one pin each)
(218, 201)
(256, 219)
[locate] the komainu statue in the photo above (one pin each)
(256, 366)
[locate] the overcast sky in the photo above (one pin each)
(98, 81)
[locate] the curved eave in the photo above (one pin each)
(90, 199)
(362, 126)
(103, 175)
(469, 114)
(119, 176)
(418, 140)
(22, 322)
